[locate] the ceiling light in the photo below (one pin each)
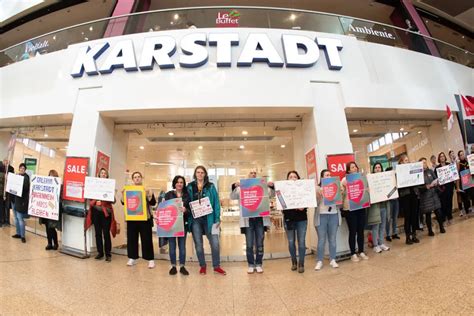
(54, 37)
(45, 135)
(171, 133)
(200, 147)
(402, 129)
(91, 28)
(282, 146)
(355, 130)
(292, 17)
(142, 147)
(419, 132)
(176, 16)
(245, 133)
(241, 146)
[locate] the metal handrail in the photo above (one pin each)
(236, 7)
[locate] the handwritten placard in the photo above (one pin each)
(200, 208)
(470, 159)
(447, 174)
(44, 197)
(99, 189)
(295, 194)
(382, 186)
(410, 174)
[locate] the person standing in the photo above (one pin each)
(355, 219)
(198, 189)
(408, 204)
(467, 196)
(433, 162)
(379, 229)
(51, 225)
(141, 229)
(392, 218)
(429, 201)
(327, 219)
(446, 191)
(9, 198)
(2, 190)
(20, 206)
(296, 222)
(179, 191)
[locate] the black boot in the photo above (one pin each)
(414, 239)
(294, 264)
(300, 268)
(430, 233)
(408, 241)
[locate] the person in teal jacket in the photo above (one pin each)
(199, 189)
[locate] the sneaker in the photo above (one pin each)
(384, 247)
(388, 238)
(355, 258)
(48, 247)
(202, 270)
(395, 236)
(131, 262)
(250, 270)
(377, 249)
(259, 269)
(16, 236)
(220, 271)
(183, 271)
(319, 266)
(99, 256)
(333, 264)
(363, 256)
(151, 264)
(23, 239)
(173, 271)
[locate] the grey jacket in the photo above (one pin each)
(429, 200)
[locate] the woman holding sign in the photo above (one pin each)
(179, 191)
(52, 225)
(326, 220)
(446, 191)
(381, 208)
(468, 195)
(409, 204)
(20, 207)
(201, 191)
(140, 228)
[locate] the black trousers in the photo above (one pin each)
(5, 209)
(52, 236)
(102, 232)
(408, 204)
(467, 196)
(356, 224)
(140, 229)
(2, 209)
(428, 220)
(446, 199)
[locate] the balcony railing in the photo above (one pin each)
(251, 17)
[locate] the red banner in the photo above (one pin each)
(75, 173)
(103, 161)
(311, 170)
(337, 164)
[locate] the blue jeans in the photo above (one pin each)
(182, 250)
(378, 229)
(300, 233)
(20, 224)
(199, 229)
(327, 229)
(254, 236)
(393, 217)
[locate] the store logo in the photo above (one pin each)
(371, 31)
(299, 51)
(228, 19)
(30, 47)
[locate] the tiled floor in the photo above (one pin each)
(433, 277)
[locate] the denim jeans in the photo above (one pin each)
(20, 224)
(393, 218)
(199, 229)
(378, 229)
(182, 250)
(300, 233)
(254, 236)
(327, 229)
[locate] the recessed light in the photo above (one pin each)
(292, 17)
(171, 133)
(142, 147)
(54, 37)
(355, 130)
(245, 133)
(200, 147)
(419, 132)
(45, 135)
(282, 146)
(241, 146)
(176, 16)
(91, 28)
(402, 129)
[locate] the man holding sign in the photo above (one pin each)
(22, 197)
(446, 188)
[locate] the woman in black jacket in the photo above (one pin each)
(446, 191)
(20, 207)
(467, 195)
(429, 201)
(179, 191)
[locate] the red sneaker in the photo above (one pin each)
(202, 270)
(219, 270)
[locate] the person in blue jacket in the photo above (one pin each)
(198, 190)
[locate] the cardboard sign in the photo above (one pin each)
(169, 218)
(134, 198)
(331, 191)
(201, 207)
(44, 197)
(337, 164)
(467, 180)
(357, 191)
(470, 160)
(410, 174)
(311, 169)
(99, 189)
(382, 186)
(103, 161)
(295, 194)
(14, 184)
(75, 173)
(254, 200)
(447, 174)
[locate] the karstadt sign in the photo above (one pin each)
(298, 51)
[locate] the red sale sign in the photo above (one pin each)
(337, 164)
(103, 161)
(75, 173)
(311, 170)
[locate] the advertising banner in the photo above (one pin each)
(103, 161)
(357, 191)
(382, 186)
(295, 194)
(467, 180)
(311, 169)
(201, 207)
(169, 218)
(102, 189)
(447, 174)
(331, 190)
(44, 197)
(31, 166)
(75, 173)
(14, 184)
(410, 174)
(254, 200)
(134, 197)
(337, 164)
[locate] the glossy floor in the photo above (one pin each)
(435, 276)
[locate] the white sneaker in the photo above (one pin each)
(131, 262)
(377, 249)
(355, 258)
(151, 264)
(363, 256)
(259, 269)
(384, 247)
(333, 264)
(250, 270)
(319, 266)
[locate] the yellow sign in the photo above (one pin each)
(134, 198)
